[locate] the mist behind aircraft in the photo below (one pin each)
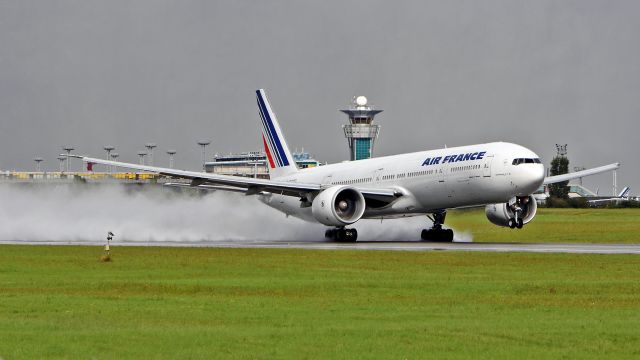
(70, 213)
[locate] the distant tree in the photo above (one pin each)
(559, 166)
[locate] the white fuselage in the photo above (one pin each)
(429, 181)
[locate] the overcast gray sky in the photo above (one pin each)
(536, 73)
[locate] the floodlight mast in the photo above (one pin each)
(114, 156)
(150, 147)
(68, 149)
(141, 155)
(561, 150)
(171, 154)
(579, 168)
(204, 144)
(38, 160)
(109, 149)
(61, 159)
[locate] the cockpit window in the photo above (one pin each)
(526, 161)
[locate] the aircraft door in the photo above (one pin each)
(377, 175)
(442, 173)
(327, 179)
(486, 166)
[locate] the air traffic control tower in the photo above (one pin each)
(360, 132)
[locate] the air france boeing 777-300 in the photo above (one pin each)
(500, 176)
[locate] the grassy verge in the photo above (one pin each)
(555, 225)
(61, 301)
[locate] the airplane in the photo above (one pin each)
(624, 195)
(500, 176)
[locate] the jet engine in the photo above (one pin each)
(338, 206)
(515, 213)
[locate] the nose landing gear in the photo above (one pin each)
(517, 222)
(341, 234)
(437, 233)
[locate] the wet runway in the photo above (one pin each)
(374, 245)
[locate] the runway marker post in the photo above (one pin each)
(106, 257)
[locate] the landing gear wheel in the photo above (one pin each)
(448, 235)
(520, 224)
(350, 235)
(437, 235)
(342, 235)
(512, 223)
(330, 234)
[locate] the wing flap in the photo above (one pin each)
(206, 187)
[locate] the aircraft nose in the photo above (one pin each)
(530, 178)
(538, 175)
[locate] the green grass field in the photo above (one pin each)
(61, 302)
(555, 225)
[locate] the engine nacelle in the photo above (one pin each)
(338, 206)
(500, 214)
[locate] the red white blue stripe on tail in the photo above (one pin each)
(278, 154)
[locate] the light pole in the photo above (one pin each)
(114, 156)
(38, 160)
(150, 147)
(109, 149)
(141, 155)
(255, 168)
(203, 144)
(61, 159)
(579, 168)
(171, 153)
(68, 149)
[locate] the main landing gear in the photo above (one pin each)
(437, 233)
(342, 234)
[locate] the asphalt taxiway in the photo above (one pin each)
(372, 245)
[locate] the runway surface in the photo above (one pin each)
(376, 245)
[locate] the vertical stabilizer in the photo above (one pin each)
(279, 159)
(625, 192)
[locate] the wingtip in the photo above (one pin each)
(73, 156)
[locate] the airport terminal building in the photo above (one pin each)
(252, 164)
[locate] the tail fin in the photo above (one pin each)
(279, 157)
(624, 192)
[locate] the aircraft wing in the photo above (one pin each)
(624, 195)
(579, 174)
(249, 186)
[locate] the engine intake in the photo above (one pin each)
(338, 206)
(500, 214)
